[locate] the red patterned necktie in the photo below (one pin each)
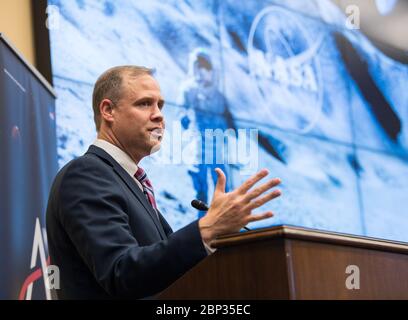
(141, 176)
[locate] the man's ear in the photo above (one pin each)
(106, 108)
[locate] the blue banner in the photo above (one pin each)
(28, 164)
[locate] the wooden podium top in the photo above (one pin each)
(301, 233)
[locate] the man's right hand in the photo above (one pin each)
(231, 211)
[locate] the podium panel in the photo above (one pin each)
(297, 263)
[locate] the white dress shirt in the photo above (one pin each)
(127, 163)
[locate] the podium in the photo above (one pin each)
(286, 262)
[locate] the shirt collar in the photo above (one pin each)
(118, 155)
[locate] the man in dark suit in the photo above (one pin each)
(105, 232)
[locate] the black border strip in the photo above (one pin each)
(42, 48)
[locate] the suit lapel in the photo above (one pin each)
(132, 185)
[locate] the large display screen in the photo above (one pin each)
(306, 96)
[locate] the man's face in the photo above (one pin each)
(138, 120)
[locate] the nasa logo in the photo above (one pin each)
(49, 273)
(283, 61)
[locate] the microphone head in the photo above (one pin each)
(199, 205)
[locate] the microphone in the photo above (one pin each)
(199, 205)
(202, 206)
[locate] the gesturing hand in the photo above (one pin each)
(230, 211)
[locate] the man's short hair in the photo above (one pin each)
(109, 86)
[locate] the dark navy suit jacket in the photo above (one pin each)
(105, 236)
